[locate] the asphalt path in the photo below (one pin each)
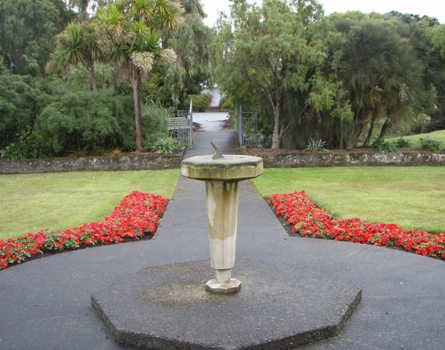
(45, 303)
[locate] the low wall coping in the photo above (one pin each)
(270, 160)
(104, 163)
(352, 158)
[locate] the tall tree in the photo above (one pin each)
(383, 76)
(76, 46)
(191, 43)
(263, 50)
(435, 36)
(131, 33)
(26, 31)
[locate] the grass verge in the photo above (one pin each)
(32, 202)
(411, 197)
(414, 140)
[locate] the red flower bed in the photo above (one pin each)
(308, 219)
(138, 214)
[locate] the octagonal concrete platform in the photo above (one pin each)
(280, 306)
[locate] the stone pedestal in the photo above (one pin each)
(282, 306)
(221, 177)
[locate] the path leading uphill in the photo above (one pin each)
(45, 303)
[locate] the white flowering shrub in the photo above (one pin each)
(168, 56)
(143, 60)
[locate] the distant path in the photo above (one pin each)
(210, 121)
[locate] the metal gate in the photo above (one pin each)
(247, 128)
(180, 127)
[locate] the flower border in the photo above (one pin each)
(308, 219)
(137, 215)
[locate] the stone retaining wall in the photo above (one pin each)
(173, 161)
(127, 162)
(332, 158)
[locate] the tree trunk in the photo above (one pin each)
(93, 78)
(384, 128)
(276, 136)
(368, 137)
(87, 146)
(374, 118)
(360, 120)
(355, 134)
(136, 85)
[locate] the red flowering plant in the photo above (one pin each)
(137, 215)
(308, 219)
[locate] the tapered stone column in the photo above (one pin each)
(221, 176)
(222, 211)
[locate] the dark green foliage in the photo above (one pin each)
(154, 119)
(27, 150)
(105, 76)
(27, 28)
(315, 146)
(15, 151)
(350, 79)
(21, 100)
(191, 43)
(200, 102)
(125, 118)
(434, 39)
(402, 143)
(430, 144)
(155, 90)
(262, 55)
(371, 80)
(165, 146)
(383, 76)
(384, 146)
(79, 120)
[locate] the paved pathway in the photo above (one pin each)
(45, 303)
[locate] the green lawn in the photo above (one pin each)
(412, 197)
(414, 139)
(33, 202)
(409, 196)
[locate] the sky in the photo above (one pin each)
(431, 8)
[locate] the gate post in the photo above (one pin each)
(240, 126)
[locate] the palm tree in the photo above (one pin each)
(383, 76)
(76, 46)
(130, 37)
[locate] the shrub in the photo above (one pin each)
(115, 153)
(384, 146)
(22, 98)
(80, 120)
(431, 144)
(315, 146)
(154, 119)
(200, 102)
(402, 143)
(15, 151)
(165, 146)
(265, 141)
(27, 150)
